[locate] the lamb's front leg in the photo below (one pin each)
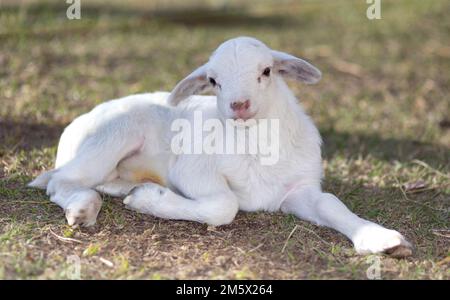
(325, 209)
(215, 209)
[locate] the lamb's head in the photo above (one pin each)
(243, 73)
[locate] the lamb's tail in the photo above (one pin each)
(42, 180)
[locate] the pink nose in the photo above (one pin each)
(240, 106)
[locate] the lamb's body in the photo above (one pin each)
(123, 148)
(148, 118)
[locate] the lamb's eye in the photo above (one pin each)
(266, 72)
(212, 81)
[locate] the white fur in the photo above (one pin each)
(104, 149)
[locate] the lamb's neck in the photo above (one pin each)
(286, 109)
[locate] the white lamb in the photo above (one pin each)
(122, 148)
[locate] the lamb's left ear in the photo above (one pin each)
(194, 83)
(296, 68)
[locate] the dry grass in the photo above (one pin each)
(383, 108)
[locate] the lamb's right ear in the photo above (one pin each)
(194, 83)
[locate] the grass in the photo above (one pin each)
(383, 109)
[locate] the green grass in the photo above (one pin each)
(383, 109)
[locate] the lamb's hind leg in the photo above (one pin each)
(72, 186)
(80, 203)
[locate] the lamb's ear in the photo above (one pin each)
(194, 83)
(296, 68)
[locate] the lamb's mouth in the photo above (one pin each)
(245, 117)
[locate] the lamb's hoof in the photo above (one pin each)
(373, 238)
(400, 251)
(83, 211)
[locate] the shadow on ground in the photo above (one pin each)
(23, 135)
(353, 145)
(195, 16)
